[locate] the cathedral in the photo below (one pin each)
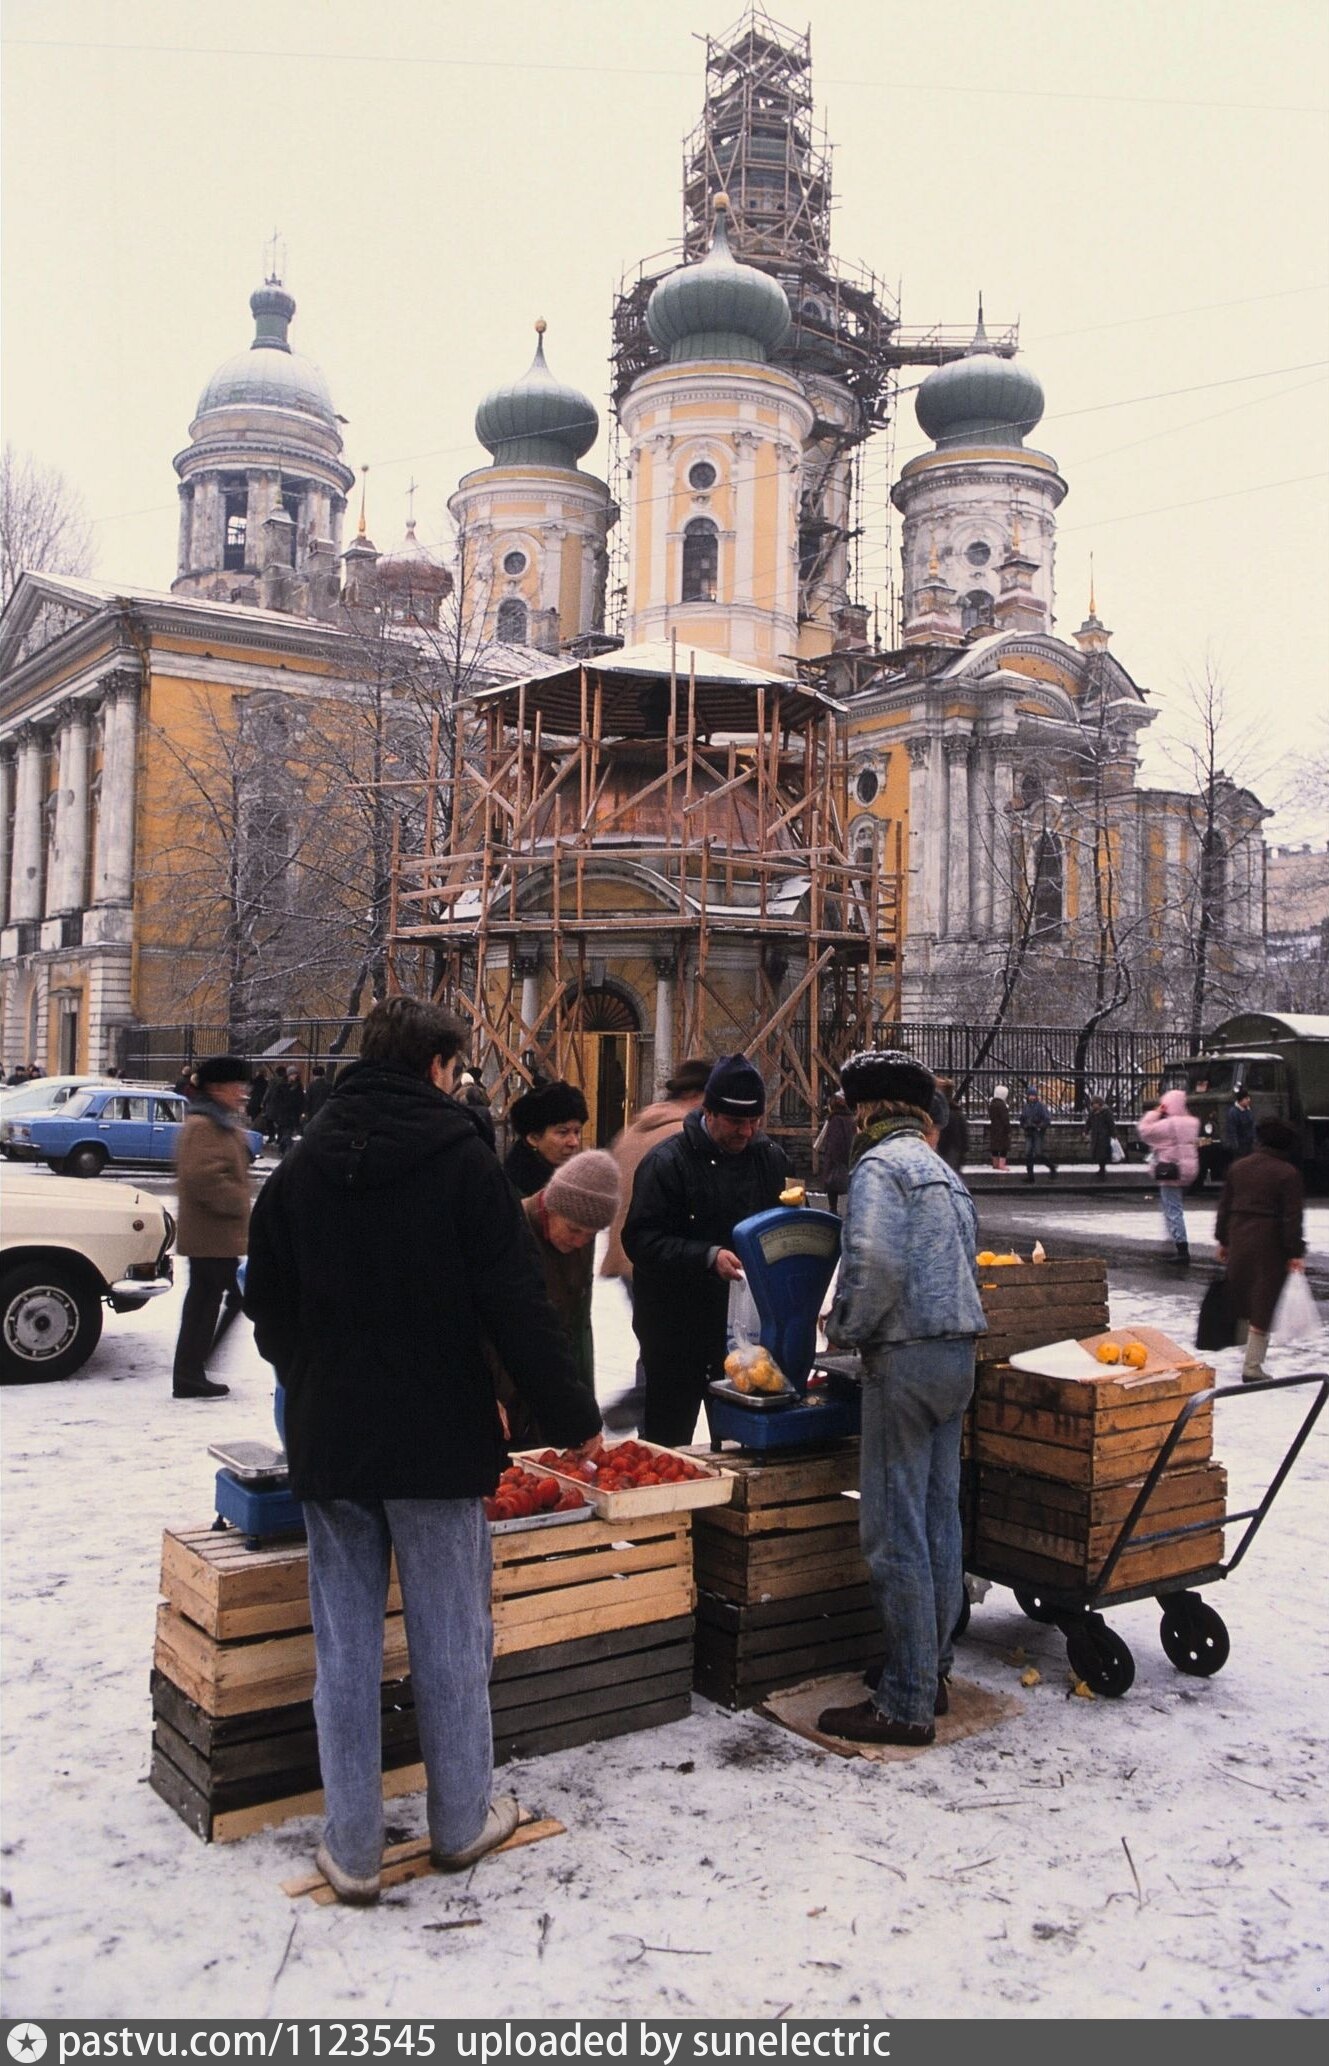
(696, 795)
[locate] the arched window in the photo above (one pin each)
(701, 561)
(1048, 886)
(976, 611)
(236, 507)
(512, 621)
(1213, 877)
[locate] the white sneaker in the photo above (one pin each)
(503, 1817)
(356, 1892)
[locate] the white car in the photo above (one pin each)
(43, 1094)
(65, 1248)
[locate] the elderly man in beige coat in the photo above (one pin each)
(212, 1163)
(653, 1124)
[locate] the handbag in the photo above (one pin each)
(1216, 1327)
(1167, 1172)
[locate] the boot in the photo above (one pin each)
(867, 1724)
(1184, 1254)
(1252, 1363)
(205, 1388)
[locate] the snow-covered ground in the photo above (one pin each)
(1161, 1855)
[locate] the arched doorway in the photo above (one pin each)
(603, 1058)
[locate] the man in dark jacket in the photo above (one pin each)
(318, 1093)
(689, 1194)
(384, 1252)
(1239, 1127)
(212, 1186)
(1036, 1120)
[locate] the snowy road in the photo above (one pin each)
(1162, 1855)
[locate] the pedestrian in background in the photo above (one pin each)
(831, 1151)
(386, 1250)
(908, 1300)
(258, 1091)
(577, 1203)
(1172, 1134)
(1036, 1120)
(953, 1136)
(1102, 1130)
(475, 1097)
(1239, 1127)
(318, 1093)
(999, 1127)
(1260, 1234)
(547, 1122)
(213, 1158)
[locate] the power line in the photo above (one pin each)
(1196, 308)
(490, 64)
(1163, 508)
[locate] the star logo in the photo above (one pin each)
(27, 2041)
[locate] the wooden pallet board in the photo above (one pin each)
(411, 1860)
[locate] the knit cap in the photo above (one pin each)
(585, 1189)
(734, 1087)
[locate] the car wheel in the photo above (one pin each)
(87, 1161)
(50, 1323)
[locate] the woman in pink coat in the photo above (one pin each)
(1172, 1136)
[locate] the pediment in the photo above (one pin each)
(39, 613)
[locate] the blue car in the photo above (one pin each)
(118, 1123)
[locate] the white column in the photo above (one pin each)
(957, 836)
(664, 1021)
(924, 843)
(25, 879)
(7, 773)
(65, 891)
(744, 584)
(205, 546)
(530, 1001)
(981, 855)
(115, 856)
(184, 543)
(1003, 794)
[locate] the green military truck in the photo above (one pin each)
(1282, 1061)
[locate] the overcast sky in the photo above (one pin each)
(1142, 185)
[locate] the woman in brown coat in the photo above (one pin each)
(999, 1127)
(1259, 1233)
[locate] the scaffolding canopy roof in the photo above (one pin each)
(633, 685)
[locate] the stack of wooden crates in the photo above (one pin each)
(1054, 1465)
(593, 1638)
(782, 1587)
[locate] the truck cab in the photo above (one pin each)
(1282, 1061)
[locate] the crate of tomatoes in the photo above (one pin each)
(533, 1499)
(624, 1479)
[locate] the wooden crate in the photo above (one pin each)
(228, 1591)
(789, 1532)
(1035, 1528)
(229, 1776)
(590, 1578)
(1094, 1431)
(744, 1653)
(1028, 1305)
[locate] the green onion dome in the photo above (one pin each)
(537, 420)
(270, 375)
(718, 308)
(980, 399)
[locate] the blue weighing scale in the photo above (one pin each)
(253, 1491)
(788, 1256)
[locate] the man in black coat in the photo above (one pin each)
(384, 1253)
(689, 1194)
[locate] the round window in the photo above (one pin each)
(702, 475)
(978, 554)
(866, 787)
(514, 563)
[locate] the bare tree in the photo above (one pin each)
(44, 526)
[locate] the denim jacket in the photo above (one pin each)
(907, 1267)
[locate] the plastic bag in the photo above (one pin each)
(744, 1325)
(748, 1366)
(1116, 1153)
(1296, 1317)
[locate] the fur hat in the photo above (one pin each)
(585, 1189)
(222, 1069)
(887, 1076)
(735, 1088)
(550, 1105)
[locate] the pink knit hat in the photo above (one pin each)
(585, 1189)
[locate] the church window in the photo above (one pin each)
(976, 611)
(702, 475)
(237, 510)
(514, 563)
(867, 786)
(511, 626)
(701, 561)
(1031, 786)
(978, 554)
(291, 499)
(1048, 888)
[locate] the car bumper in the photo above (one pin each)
(19, 1151)
(131, 1292)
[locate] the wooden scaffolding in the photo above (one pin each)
(650, 808)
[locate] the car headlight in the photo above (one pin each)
(18, 1133)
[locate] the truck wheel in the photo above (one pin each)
(50, 1323)
(87, 1161)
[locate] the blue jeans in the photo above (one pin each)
(914, 1398)
(444, 1564)
(1174, 1213)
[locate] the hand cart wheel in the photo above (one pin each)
(1099, 1657)
(1193, 1635)
(1034, 1604)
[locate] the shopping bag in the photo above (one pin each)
(744, 1327)
(1216, 1327)
(1296, 1317)
(1116, 1153)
